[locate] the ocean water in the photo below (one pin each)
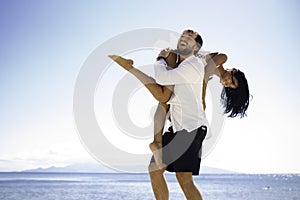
(88, 186)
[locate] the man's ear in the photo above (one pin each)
(196, 49)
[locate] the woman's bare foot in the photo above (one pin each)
(125, 63)
(156, 149)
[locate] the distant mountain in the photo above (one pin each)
(75, 168)
(98, 168)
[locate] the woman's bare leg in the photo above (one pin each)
(159, 92)
(158, 182)
(187, 185)
(159, 122)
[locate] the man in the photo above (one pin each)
(183, 142)
(180, 149)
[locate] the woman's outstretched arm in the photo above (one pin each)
(213, 60)
(159, 92)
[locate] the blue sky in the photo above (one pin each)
(45, 43)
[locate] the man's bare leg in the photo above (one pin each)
(186, 183)
(159, 122)
(158, 182)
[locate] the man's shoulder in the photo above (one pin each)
(194, 61)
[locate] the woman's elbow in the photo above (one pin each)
(221, 59)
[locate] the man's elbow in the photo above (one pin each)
(159, 79)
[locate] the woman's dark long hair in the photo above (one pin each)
(236, 101)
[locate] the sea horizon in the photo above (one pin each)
(99, 168)
(86, 172)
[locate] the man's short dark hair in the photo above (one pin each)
(196, 35)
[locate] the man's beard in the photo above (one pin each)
(185, 51)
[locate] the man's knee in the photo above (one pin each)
(154, 169)
(184, 178)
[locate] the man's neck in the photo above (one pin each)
(183, 57)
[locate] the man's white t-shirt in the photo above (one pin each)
(186, 109)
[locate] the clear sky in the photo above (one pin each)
(45, 43)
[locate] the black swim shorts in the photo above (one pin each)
(182, 150)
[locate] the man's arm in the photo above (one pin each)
(187, 72)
